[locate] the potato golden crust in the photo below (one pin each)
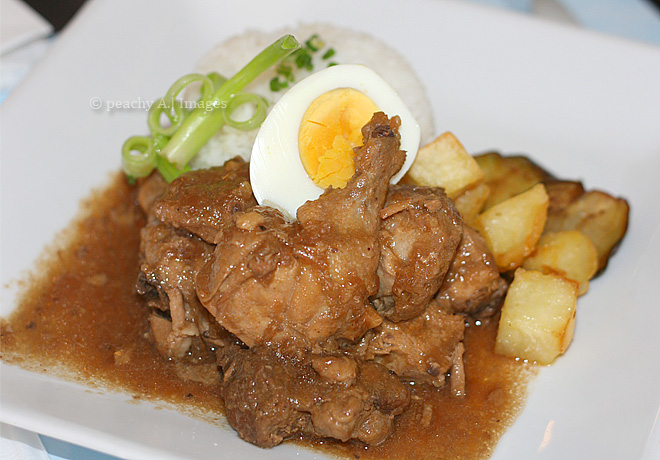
(558, 233)
(507, 176)
(513, 227)
(598, 215)
(568, 253)
(471, 202)
(580, 231)
(538, 317)
(445, 163)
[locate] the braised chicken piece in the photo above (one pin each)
(170, 261)
(150, 189)
(419, 235)
(421, 350)
(269, 398)
(202, 202)
(286, 309)
(295, 285)
(473, 284)
(171, 255)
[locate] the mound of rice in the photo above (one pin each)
(351, 47)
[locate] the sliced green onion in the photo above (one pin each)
(276, 84)
(168, 170)
(240, 99)
(217, 79)
(314, 43)
(138, 156)
(304, 60)
(159, 142)
(174, 109)
(207, 89)
(328, 54)
(285, 70)
(202, 124)
(190, 124)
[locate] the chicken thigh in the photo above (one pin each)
(419, 235)
(294, 285)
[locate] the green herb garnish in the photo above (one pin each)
(328, 54)
(301, 59)
(314, 43)
(304, 59)
(192, 124)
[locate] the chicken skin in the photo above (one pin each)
(269, 398)
(324, 325)
(419, 235)
(473, 284)
(294, 285)
(172, 248)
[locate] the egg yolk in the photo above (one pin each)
(330, 129)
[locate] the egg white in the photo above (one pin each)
(277, 175)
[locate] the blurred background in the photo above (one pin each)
(28, 28)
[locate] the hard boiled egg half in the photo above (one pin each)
(306, 142)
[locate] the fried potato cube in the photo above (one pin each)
(600, 216)
(562, 193)
(445, 163)
(513, 227)
(538, 317)
(570, 254)
(471, 202)
(507, 176)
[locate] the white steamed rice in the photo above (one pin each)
(351, 47)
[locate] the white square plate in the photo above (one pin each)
(585, 106)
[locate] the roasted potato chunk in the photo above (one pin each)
(507, 176)
(562, 193)
(570, 254)
(445, 163)
(513, 227)
(471, 202)
(538, 317)
(600, 216)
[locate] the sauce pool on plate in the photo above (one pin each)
(79, 317)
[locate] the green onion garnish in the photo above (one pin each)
(302, 58)
(171, 148)
(260, 107)
(285, 70)
(314, 43)
(138, 156)
(328, 54)
(276, 84)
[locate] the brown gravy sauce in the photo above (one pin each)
(80, 318)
